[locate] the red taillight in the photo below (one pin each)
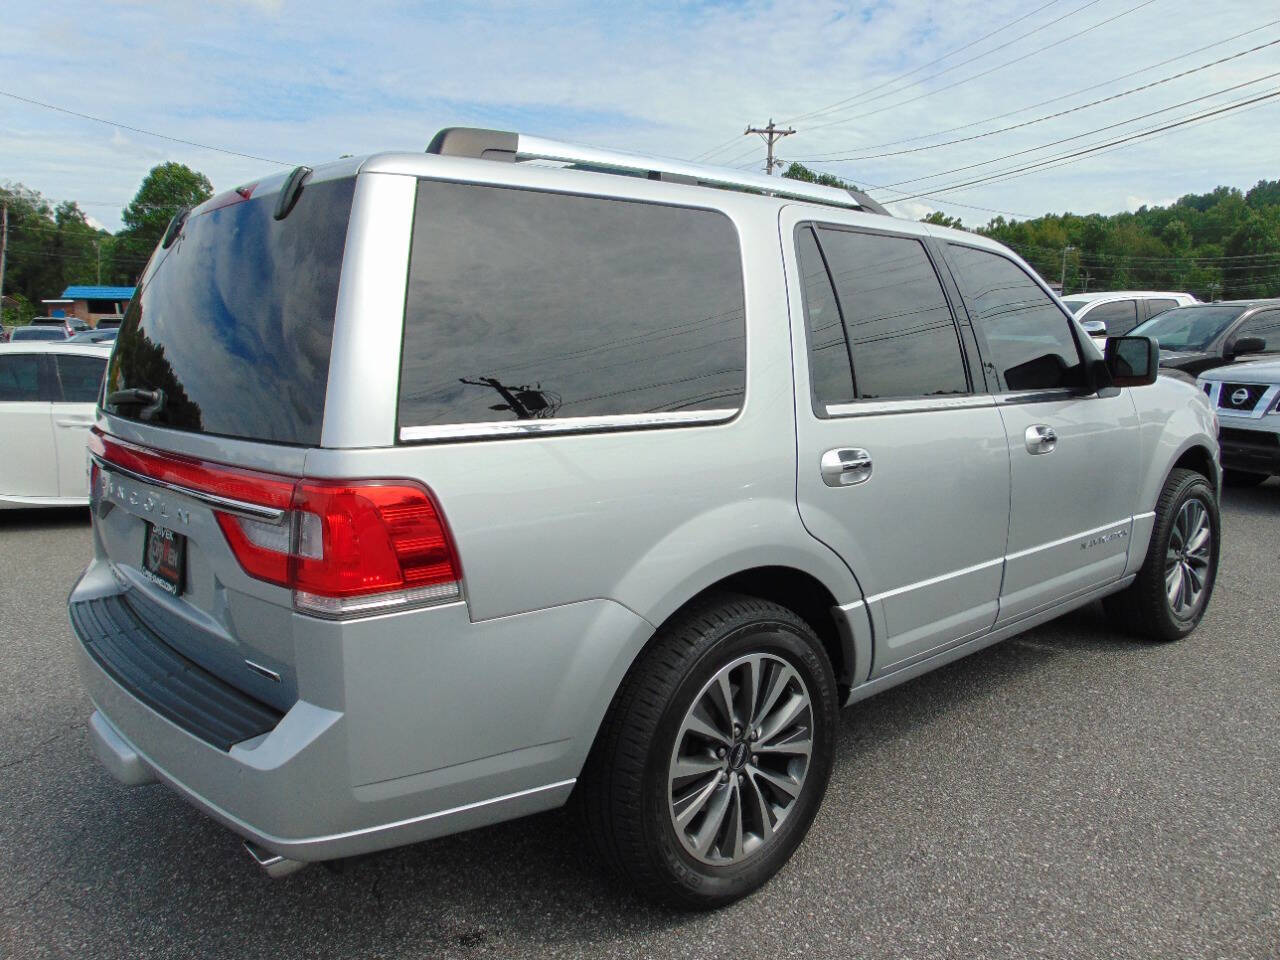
(344, 547)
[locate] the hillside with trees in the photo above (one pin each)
(53, 246)
(1219, 245)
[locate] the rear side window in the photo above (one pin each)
(525, 305)
(1029, 339)
(80, 378)
(19, 377)
(901, 333)
(830, 370)
(1120, 316)
(1159, 306)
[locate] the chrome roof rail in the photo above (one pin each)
(502, 145)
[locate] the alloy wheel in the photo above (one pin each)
(1189, 558)
(740, 759)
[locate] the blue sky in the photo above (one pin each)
(299, 82)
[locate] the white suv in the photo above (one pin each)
(1116, 312)
(1247, 398)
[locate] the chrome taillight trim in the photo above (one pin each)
(251, 511)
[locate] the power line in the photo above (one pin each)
(1064, 96)
(1070, 157)
(149, 133)
(984, 73)
(829, 158)
(862, 96)
(1087, 133)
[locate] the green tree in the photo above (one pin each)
(942, 220)
(798, 171)
(164, 191)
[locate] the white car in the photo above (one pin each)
(48, 392)
(1119, 311)
(1247, 398)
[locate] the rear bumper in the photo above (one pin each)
(1248, 448)
(407, 727)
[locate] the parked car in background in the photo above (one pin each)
(69, 325)
(433, 487)
(34, 332)
(95, 336)
(1247, 399)
(1119, 311)
(1206, 335)
(47, 396)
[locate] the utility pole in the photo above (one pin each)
(1063, 286)
(771, 135)
(4, 248)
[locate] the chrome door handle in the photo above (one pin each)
(845, 467)
(1041, 439)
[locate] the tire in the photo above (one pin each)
(645, 815)
(1243, 478)
(1152, 606)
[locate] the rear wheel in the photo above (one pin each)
(1172, 589)
(1243, 478)
(715, 755)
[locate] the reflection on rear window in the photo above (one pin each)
(235, 323)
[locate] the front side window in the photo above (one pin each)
(20, 377)
(1190, 328)
(1266, 327)
(1029, 340)
(527, 305)
(902, 336)
(1120, 316)
(80, 378)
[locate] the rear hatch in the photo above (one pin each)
(222, 358)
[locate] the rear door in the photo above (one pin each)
(29, 466)
(79, 379)
(903, 468)
(1120, 316)
(1073, 454)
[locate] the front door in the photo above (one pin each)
(903, 469)
(1073, 454)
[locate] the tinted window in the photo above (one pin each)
(80, 377)
(531, 305)
(901, 333)
(38, 333)
(829, 369)
(236, 320)
(1120, 316)
(1029, 340)
(1074, 305)
(1265, 326)
(1160, 306)
(1189, 328)
(19, 377)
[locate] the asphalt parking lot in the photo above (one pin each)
(1070, 793)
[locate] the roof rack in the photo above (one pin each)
(503, 145)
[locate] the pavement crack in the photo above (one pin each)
(35, 751)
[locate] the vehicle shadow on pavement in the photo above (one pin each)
(45, 518)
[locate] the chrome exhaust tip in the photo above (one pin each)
(274, 865)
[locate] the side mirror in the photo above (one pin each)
(1240, 347)
(1094, 328)
(1132, 361)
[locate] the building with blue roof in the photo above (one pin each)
(90, 302)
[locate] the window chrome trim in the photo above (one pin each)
(1011, 397)
(251, 510)
(867, 408)
(565, 425)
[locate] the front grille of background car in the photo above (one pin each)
(1252, 438)
(1226, 396)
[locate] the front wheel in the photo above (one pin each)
(715, 754)
(1173, 588)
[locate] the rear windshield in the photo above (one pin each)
(1189, 328)
(38, 333)
(235, 323)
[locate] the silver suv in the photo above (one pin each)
(431, 490)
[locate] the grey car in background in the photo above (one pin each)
(487, 484)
